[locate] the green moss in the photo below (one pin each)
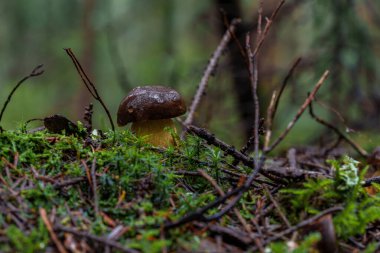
(138, 187)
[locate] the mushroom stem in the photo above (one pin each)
(155, 131)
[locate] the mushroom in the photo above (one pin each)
(150, 109)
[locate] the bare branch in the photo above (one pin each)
(308, 100)
(105, 241)
(49, 227)
(267, 27)
(300, 225)
(272, 109)
(89, 85)
(35, 72)
(357, 148)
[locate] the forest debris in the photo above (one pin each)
(325, 227)
(49, 227)
(59, 124)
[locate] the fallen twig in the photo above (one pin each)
(283, 172)
(49, 227)
(105, 241)
(221, 193)
(300, 225)
(370, 181)
(237, 193)
(276, 205)
(58, 185)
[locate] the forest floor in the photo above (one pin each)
(114, 193)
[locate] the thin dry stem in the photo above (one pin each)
(221, 193)
(35, 72)
(268, 131)
(355, 146)
(277, 206)
(301, 225)
(253, 77)
(272, 109)
(49, 227)
(89, 85)
(94, 186)
(308, 100)
(267, 27)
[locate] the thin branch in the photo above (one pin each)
(237, 192)
(49, 227)
(221, 193)
(240, 191)
(267, 27)
(284, 83)
(369, 181)
(283, 172)
(236, 40)
(301, 225)
(272, 109)
(211, 181)
(308, 100)
(58, 185)
(105, 241)
(253, 77)
(357, 148)
(211, 139)
(209, 70)
(276, 205)
(89, 85)
(35, 72)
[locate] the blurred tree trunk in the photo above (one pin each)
(84, 97)
(238, 66)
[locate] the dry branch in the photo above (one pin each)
(267, 27)
(89, 85)
(49, 227)
(357, 148)
(35, 72)
(272, 109)
(253, 77)
(308, 100)
(300, 225)
(105, 241)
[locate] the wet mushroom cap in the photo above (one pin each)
(150, 103)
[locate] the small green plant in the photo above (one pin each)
(35, 240)
(360, 209)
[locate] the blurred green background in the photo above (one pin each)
(126, 43)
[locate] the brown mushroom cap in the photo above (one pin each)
(150, 103)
